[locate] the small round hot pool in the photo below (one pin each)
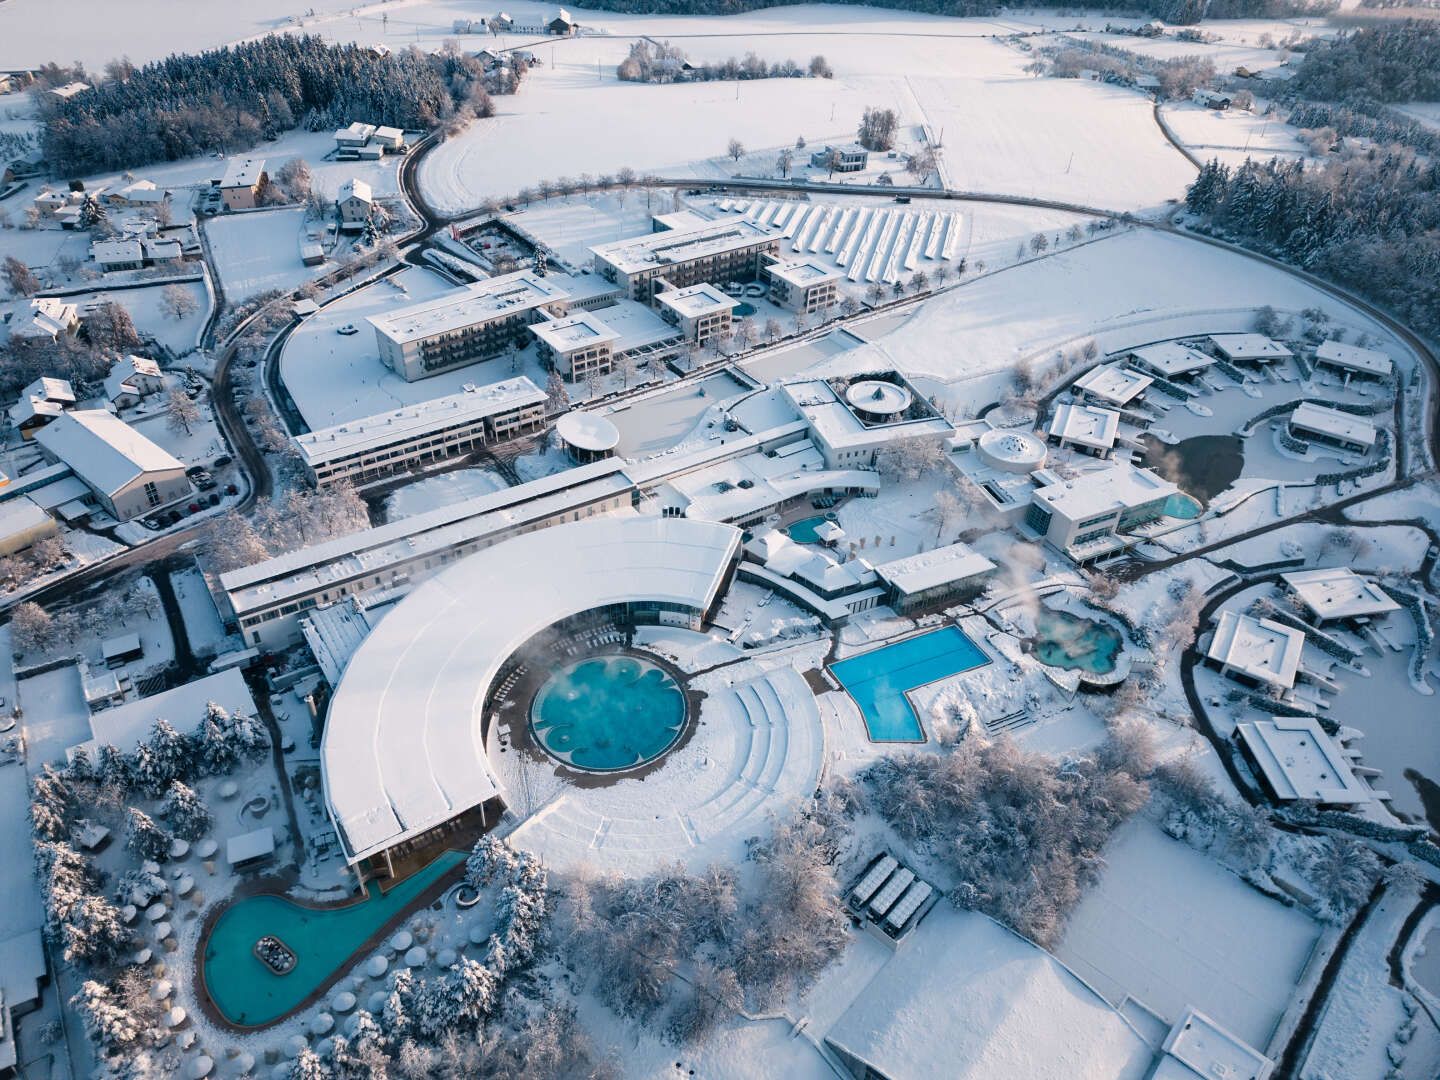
(608, 713)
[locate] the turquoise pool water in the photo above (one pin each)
(803, 531)
(744, 311)
(1067, 641)
(247, 992)
(878, 679)
(1181, 505)
(608, 712)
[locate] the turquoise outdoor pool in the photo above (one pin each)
(608, 713)
(1067, 641)
(744, 310)
(248, 993)
(1181, 505)
(803, 531)
(878, 679)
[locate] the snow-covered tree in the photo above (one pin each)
(177, 301)
(94, 933)
(107, 1022)
(1342, 871)
(143, 838)
(181, 412)
(308, 1065)
(215, 749)
(435, 1008)
(396, 1013)
(114, 767)
(185, 812)
(489, 857)
(249, 737)
(475, 989)
(31, 627)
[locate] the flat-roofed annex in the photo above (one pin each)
(474, 304)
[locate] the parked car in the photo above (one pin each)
(194, 471)
(151, 523)
(214, 499)
(231, 489)
(194, 508)
(221, 461)
(205, 482)
(172, 517)
(347, 329)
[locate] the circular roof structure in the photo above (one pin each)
(404, 746)
(878, 398)
(588, 431)
(1011, 451)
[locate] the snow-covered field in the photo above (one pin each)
(258, 251)
(1170, 927)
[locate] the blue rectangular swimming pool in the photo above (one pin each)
(878, 679)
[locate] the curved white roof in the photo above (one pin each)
(1011, 451)
(404, 745)
(588, 431)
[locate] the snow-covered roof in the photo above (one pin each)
(411, 421)
(1117, 486)
(123, 375)
(125, 726)
(1209, 1051)
(836, 423)
(657, 250)
(1170, 358)
(117, 251)
(967, 999)
(828, 574)
(1085, 425)
(1263, 649)
(334, 633)
(48, 317)
(390, 134)
(69, 90)
(587, 431)
(48, 388)
(1253, 347)
(1114, 383)
(637, 325)
(695, 300)
(20, 516)
(477, 303)
(1353, 357)
(243, 172)
(161, 250)
(33, 408)
(1300, 761)
(251, 845)
(355, 188)
(1333, 423)
(802, 273)
(735, 489)
(579, 331)
(928, 569)
(354, 132)
(105, 452)
(1338, 592)
(403, 748)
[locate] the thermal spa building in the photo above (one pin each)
(404, 745)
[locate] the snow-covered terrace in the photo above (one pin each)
(1084, 425)
(1113, 383)
(403, 749)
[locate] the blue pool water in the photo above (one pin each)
(1181, 505)
(608, 712)
(248, 993)
(1067, 641)
(878, 679)
(803, 531)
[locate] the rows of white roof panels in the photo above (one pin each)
(878, 244)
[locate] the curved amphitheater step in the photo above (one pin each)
(768, 760)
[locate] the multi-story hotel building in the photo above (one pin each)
(477, 322)
(702, 312)
(374, 446)
(718, 251)
(802, 285)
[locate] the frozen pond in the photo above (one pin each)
(1202, 465)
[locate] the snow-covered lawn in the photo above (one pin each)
(1172, 928)
(259, 251)
(446, 489)
(201, 446)
(1119, 290)
(56, 716)
(1234, 135)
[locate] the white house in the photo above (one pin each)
(241, 184)
(118, 254)
(1352, 359)
(1338, 593)
(354, 135)
(41, 402)
(355, 203)
(1295, 758)
(1317, 423)
(1248, 348)
(1085, 427)
(1170, 359)
(132, 378)
(48, 318)
(391, 138)
(1090, 515)
(128, 474)
(1112, 385)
